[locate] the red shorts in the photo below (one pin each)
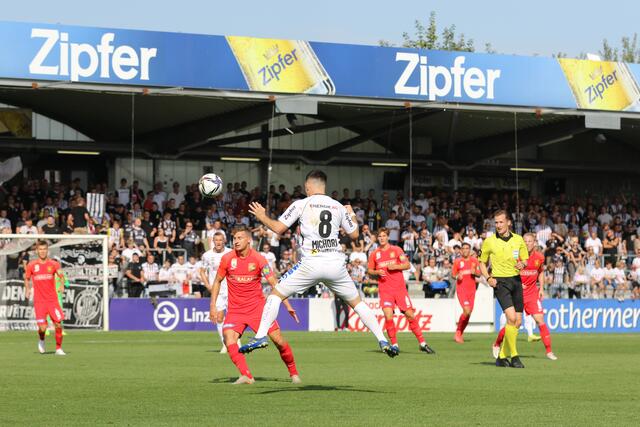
(240, 322)
(51, 308)
(466, 296)
(396, 298)
(532, 303)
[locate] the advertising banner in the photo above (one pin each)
(156, 59)
(587, 315)
(137, 314)
(81, 304)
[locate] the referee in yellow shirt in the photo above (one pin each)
(508, 255)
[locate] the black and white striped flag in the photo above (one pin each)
(96, 205)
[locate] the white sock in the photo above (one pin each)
(269, 315)
(219, 326)
(369, 320)
(528, 325)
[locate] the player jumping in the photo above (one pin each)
(532, 295)
(243, 268)
(323, 260)
(42, 272)
(210, 263)
(465, 271)
(388, 262)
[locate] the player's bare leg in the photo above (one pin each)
(498, 343)
(286, 355)
(545, 335)
(414, 326)
(58, 329)
(42, 329)
(269, 315)
(463, 321)
(231, 342)
(219, 323)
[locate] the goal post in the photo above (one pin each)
(84, 259)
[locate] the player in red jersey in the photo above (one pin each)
(387, 262)
(42, 272)
(243, 268)
(465, 271)
(532, 274)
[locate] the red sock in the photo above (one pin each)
(287, 357)
(58, 338)
(463, 322)
(415, 328)
(238, 359)
(498, 342)
(546, 336)
(41, 335)
(390, 326)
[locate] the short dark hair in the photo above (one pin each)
(465, 244)
(317, 174)
(240, 229)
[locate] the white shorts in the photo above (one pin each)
(222, 302)
(332, 272)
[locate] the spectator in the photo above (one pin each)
(189, 239)
(393, 225)
(176, 194)
(130, 251)
(165, 274)
(27, 227)
(269, 256)
(50, 227)
(580, 284)
(150, 269)
(135, 276)
(594, 242)
(409, 237)
(597, 280)
(80, 217)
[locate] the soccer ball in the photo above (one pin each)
(210, 185)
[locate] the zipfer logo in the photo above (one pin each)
(166, 316)
(437, 81)
(83, 60)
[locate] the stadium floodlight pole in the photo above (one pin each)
(105, 261)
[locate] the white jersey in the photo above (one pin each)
(211, 261)
(320, 220)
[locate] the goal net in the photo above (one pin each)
(84, 260)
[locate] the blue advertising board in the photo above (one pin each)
(588, 315)
(48, 52)
(135, 314)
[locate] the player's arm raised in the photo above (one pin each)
(257, 210)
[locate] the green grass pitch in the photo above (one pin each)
(179, 378)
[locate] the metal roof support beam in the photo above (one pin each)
(493, 146)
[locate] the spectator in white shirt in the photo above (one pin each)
(597, 280)
(150, 269)
(269, 256)
(594, 242)
(357, 254)
(543, 232)
(159, 196)
(180, 270)
(165, 274)
(620, 286)
(27, 227)
(393, 225)
(422, 203)
(176, 194)
(604, 217)
(4, 221)
(131, 249)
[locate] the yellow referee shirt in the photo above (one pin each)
(504, 253)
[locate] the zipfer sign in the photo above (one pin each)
(587, 315)
(36, 52)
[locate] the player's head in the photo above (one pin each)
(466, 250)
(315, 182)
(383, 236)
(501, 218)
(241, 239)
(530, 241)
(218, 241)
(42, 249)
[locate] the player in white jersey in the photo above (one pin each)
(322, 260)
(210, 263)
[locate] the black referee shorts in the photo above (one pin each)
(508, 291)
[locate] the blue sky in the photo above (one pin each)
(514, 27)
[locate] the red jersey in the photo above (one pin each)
(380, 259)
(42, 275)
(465, 270)
(529, 274)
(243, 280)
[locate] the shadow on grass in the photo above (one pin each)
(229, 380)
(316, 387)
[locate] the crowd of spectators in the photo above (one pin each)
(591, 245)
